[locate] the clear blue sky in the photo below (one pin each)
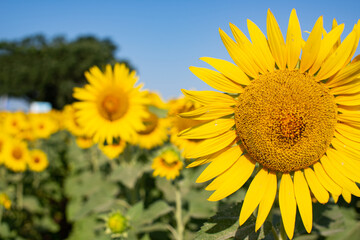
(161, 39)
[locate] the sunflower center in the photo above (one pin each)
(113, 107)
(36, 160)
(285, 120)
(150, 124)
(17, 153)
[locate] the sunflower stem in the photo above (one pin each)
(1, 212)
(19, 193)
(178, 214)
(94, 160)
(282, 235)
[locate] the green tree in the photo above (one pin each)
(47, 70)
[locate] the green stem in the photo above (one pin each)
(178, 215)
(282, 235)
(1, 213)
(19, 194)
(274, 233)
(94, 159)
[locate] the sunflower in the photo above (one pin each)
(42, 125)
(5, 200)
(4, 138)
(113, 150)
(291, 120)
(38, 161)
(84, 142)
(16, 155)
(156, 128)
(70, 121)
(178, 107)
(15, 123)
(110, 105)
(167, 164)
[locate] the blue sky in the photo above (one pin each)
(161, 39)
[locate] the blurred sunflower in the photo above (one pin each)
(167, 164)
(5, 201)
(37, 161)
(156, 128)
(179, 107)
(84, 142)
(14, 123)
(4, 138)
(70, 121)
(42, 125)
(113, 150)
(110, 105)
(296, 121)
(16, 155)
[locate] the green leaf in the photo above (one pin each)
(167, 188)
(154, 211)
(129, 174)
(135, 212)
(32, 204)
(225, 225)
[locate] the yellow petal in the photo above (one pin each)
(210, 98)
(325, 180)
(312, 46)
(350, 88)
(216, 80)
(230, 70)
(346, 146)
(209, 129)
(234, 178)
(276, 40)
(340, 179)
(349, 109)
(245, 45)
(198, 162)
(346, 195)
(208, 112)
(349, 132)
(287, 204)
(338, 59)
(303, 199)
(345, 75)
(293, 41)
(220, 164)
(338, 42)
(253, 195)
(327, 44)
(335, 197)
(352, 100)
(211, 145)
(241, 59)
(344, 165)
(260, 43)
(316, 188)
(267, 200)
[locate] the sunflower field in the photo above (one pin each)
(276, 147)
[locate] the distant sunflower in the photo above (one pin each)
(156, 128)
(70, 121)
(167, 164)
(16, 155)
(4, 138)
(110, 105)
(14, 123)
(84, 142)
(42, 125)
(293, 120)
(177, 107)
(38, 161)
(113, 150)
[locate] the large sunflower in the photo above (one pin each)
(290, 119)
(110, 105)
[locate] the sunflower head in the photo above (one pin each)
(38, 161)
(110, 105)
(167, 164)
(290, 111)
(117, 223)
(5, 201)
(113, 150)
(16, 155)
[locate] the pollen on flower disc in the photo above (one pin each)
(285, 120)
